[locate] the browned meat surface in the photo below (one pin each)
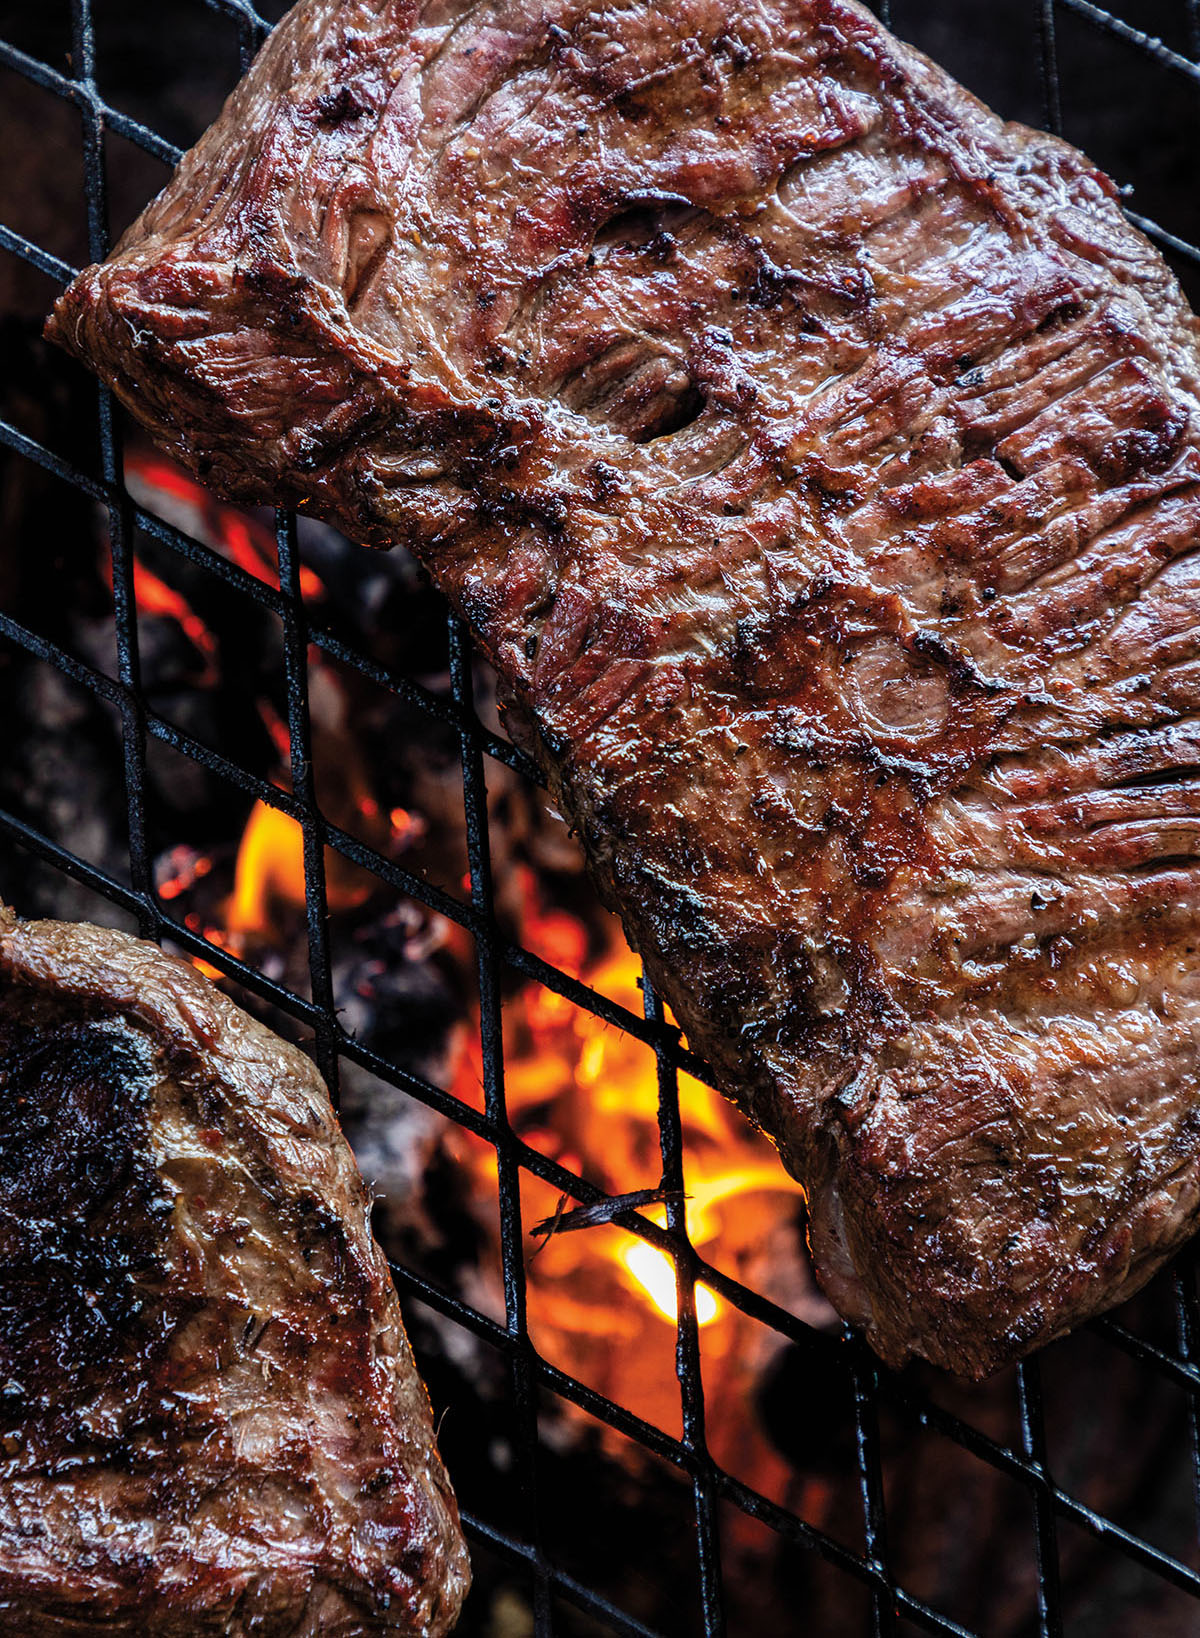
(816, 457)
(210, 1422)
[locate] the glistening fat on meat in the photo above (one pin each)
(210, 1422)
(815, 455)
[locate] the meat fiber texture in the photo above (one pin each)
(815, 456)
(210, 1422)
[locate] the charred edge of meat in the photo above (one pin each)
(83, 1213)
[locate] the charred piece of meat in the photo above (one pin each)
(210, 1422)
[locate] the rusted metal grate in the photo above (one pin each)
(517, 1537)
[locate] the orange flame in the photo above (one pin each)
(236, 534)
(270, 871)
(269, 877)
(152, 596)
(587, 1095)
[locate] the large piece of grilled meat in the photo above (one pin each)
(816, 457)
(210, 1422)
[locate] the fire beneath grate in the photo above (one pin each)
(578, 1090)
(272, 750)
(601, 1302)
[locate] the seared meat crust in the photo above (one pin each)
(816, 457)
(210, 1422)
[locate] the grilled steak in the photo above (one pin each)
(210, 1422)
(816, 458)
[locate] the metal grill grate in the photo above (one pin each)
(517, 1537)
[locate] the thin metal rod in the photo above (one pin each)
(1187, 1321)
(865, 1376)
(1183, 1372)
(1051, 88)
(512, 1251)
(1148, 44)
(687, 1333)
(120, 530)
(1163, 236)
(17, 245)
(308, 813)
(1033, 1445)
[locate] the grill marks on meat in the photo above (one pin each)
(209, 1418)
(816, 457)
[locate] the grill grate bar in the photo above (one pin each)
(1169, 241)
(508, 1173)
(1179, 1369)
(308, 813)
(252, 29)
(1051, 87)
(1147, 44)
(1033, 1447)
(251, 24)
(870, 1467)
(17, 245)
(133, 735)
(687, 1332)
(1187, 1330)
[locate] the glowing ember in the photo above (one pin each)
(407, 828)
(185, 870)
(281, 739)
(154, 596)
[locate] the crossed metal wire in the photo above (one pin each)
(517, 1539)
